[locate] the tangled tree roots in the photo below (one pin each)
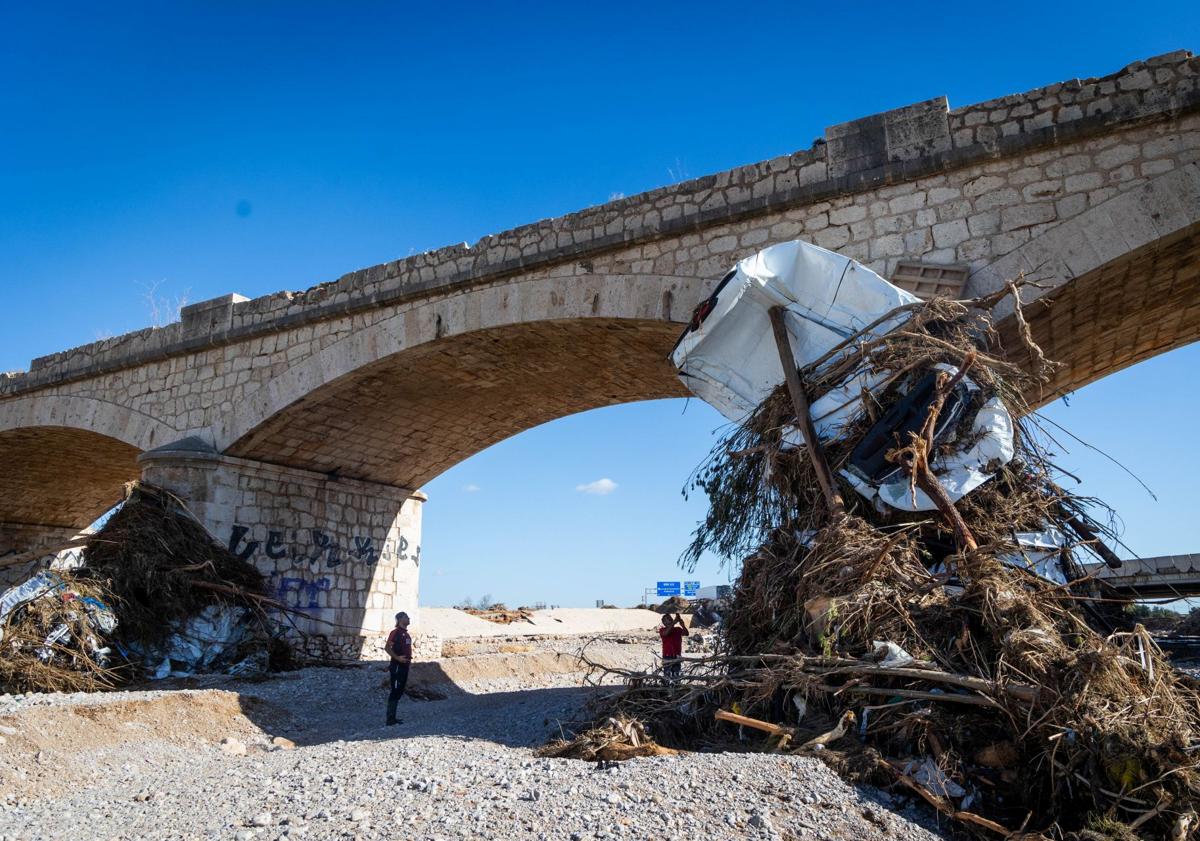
(997, 696)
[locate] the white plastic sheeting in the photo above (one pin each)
(731, 362)
(201, 642)
(928, 774)
(1039, 552)
(889, 655)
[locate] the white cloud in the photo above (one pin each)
(601, 487)
(472, 488)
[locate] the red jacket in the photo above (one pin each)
(672, 640)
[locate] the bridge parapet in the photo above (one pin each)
(890, 148)
(1165, 576)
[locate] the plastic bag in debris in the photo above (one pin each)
(33, 588)
(1039, 552)
(67, 560)
(199, 644)
(929, 775)
(86, 618)
(100, 622)
(889, 655)
(258, 663)
(728, 357)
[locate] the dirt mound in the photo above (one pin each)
(47, 749)
(465, 648)
(675, 604)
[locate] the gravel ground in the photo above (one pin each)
(151, 764)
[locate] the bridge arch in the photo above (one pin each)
(102, 417)
(65, 461)
(404, 399)
(1122, 281)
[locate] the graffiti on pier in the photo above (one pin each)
(301, 593)
(321, 548)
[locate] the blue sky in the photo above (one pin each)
(186, 150)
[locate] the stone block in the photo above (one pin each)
(937, 195)
(1117, 155)
(983, 184)
(918, 242)
(903, 134)
(906, 203)
(1042, 190)
(1138, 81)
(891, 245)
(1084, 182)
(984, 223)
(1152, 168)
(1026, 215)
(846, 215)
(212, 316)
(950, 234)
(1004, 197)
(832, 238)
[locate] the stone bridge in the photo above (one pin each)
(299, 425)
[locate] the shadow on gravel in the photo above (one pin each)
(349, 705)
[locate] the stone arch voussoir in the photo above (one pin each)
(521, 300)
(87, 414)
(1101, 235)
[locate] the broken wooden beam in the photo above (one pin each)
(791, 376)
(746, 721)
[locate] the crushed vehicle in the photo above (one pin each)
(728, 357)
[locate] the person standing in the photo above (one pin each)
(399, 650)
(672, 632)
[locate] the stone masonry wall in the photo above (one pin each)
(860, 157)
(345, 554)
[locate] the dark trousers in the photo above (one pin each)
(398, 672)
(672, 667)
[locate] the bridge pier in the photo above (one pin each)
(346, 553)
(18, 538)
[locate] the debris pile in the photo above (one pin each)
(672, 605)
(150, 594)
(500, 613)
(615, 739)
(910, 604)
(1189, 625)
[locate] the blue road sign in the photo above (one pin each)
(691, 588)
(668, 588)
